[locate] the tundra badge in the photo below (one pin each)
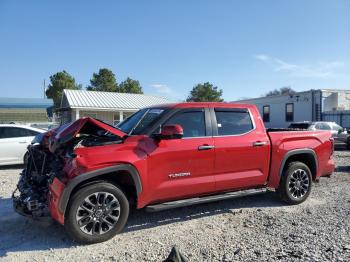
(175, 175)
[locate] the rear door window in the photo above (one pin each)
(233, 122)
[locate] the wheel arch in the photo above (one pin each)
(113, 174)
(305, 155)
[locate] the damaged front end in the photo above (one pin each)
(30, 196)
(49, 153)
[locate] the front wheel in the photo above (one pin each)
(295, 185)
(96, 213)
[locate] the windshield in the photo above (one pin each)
(138, 123)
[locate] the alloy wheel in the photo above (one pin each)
(98, 213)
(299, 183)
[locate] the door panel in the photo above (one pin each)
(181, 168)
(242, 152)
(178, 169)
(238, 163)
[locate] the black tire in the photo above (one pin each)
(295, 184)
(102, 212)
(348, 144)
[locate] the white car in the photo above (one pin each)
(14, 140)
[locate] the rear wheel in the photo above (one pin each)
(96, 213)
(295, 185)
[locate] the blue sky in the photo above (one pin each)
(244, 47)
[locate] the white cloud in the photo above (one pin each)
(319, 70)
(262, 57)
(163, 89)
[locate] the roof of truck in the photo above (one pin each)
(205, 104)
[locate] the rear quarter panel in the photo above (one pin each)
(283, 142)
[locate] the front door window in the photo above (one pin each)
(192, 122)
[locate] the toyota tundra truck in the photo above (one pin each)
(88, 175)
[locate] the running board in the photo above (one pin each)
(204, 199)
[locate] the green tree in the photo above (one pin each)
(130, 86)
(205, 92)
(104, 80)
(287, 90)
(58, 82)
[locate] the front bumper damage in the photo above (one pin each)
(43, 180)
(32, 195)
(29, 206)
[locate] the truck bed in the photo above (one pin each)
(284, 141)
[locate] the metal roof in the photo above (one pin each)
(106, 100)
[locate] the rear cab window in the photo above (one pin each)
(232, 121)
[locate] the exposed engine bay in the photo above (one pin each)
(47, 156)
(30, 197)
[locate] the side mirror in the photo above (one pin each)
(170, 132)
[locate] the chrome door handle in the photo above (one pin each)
(22, 142)
(259, 143)
(205, 147)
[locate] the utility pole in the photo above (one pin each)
(44, 89)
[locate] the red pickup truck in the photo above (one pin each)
(87, 175)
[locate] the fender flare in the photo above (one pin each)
(307, 151)
(64, 199)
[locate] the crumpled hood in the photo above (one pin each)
(66, 133)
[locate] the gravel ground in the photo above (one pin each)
(256, 228)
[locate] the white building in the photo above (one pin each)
(109, 107)
(312, 105)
